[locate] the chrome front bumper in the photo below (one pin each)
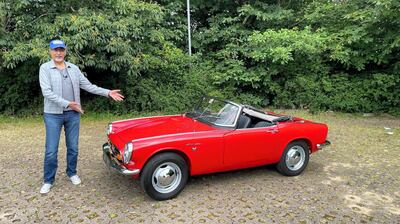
(111, 162)
(323, 145)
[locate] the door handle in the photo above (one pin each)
(273, 131)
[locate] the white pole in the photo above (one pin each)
(189, 36)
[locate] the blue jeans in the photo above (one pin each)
(54, 123)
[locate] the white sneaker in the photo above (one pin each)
(75, 180)
(45, 188)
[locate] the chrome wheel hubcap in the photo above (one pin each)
(166, 177)
(295, 158)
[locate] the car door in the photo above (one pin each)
(205, 149)
(249, 145)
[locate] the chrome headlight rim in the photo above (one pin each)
(128, 149)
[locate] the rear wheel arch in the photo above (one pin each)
(294, 158)
(306, 140)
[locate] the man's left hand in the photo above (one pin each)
(116, 95)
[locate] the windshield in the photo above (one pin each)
(216, 112)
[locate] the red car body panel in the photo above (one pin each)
(209, 149)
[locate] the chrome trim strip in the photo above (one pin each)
(323, 145)
(129, 172)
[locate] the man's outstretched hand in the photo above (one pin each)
(116, 95)
(76, 107)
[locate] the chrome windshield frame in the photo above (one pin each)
(240, 108)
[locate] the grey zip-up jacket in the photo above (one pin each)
(51, 85)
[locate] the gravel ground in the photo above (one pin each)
(355, 180)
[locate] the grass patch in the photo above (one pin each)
(91, 116)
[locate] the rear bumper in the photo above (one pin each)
(111, 162)
(323, 145)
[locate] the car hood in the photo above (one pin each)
(129, 130)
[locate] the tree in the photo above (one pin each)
(337, 55)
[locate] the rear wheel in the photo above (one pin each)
(294, 159)
(164, 176)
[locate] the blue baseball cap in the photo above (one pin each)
(57, 44)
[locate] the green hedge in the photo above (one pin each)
(321, 55)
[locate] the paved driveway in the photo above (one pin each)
(356, 180)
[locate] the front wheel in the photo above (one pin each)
(164, 176)
(294, 158)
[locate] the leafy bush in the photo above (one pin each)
(336, 55)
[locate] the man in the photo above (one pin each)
(60, 82)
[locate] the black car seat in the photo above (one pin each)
(261, 124)
(244, 122)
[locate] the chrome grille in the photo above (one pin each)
(115, 152)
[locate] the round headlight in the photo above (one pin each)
(128, 152)
(109, 129)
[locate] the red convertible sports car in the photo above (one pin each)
(218, 135)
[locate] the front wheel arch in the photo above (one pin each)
(164, 175)
(176, 151)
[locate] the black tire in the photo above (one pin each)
(173, 167)
(296, 148)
